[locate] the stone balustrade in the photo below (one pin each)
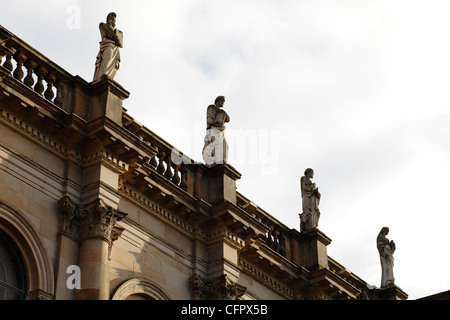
(168, 162)
(29, 67)
(34, 71)
(277, 238)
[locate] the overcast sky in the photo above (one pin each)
(357, 90)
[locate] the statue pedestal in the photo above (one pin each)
(389, 293)
(313, 249)
(222, 183)
(106, 100)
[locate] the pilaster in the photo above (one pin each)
(93, 227)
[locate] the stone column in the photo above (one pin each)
(68, 246)
(96, 227)
(86, 236)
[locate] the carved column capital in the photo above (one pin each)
(220, 288)
(99, 221)
(196, 284)
(70, 213)
(94, 220)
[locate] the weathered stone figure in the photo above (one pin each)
(108, 58)
(386, 250)
(309, 218)
(215, 150)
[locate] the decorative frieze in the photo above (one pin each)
(267, 279)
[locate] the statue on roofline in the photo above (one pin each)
(386, 250)
(309, 218)
(108, 58)
(215, 149)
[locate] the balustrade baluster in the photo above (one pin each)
(29, 80)
(18, 72)
(8, 64)
(59, 94)
(176, 178)
(4, 51)
(160, 169)
(40, 73)
(276, 244)
(49, 94)
(168, 174)
(269, 240)
(153, 162)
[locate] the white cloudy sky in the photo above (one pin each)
(358, 90)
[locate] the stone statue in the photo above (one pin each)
(386, 250)
(215, 150)
(309, 218)
(108, 58)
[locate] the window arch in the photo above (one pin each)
(13, 279)
(140, 289)
(17, 230)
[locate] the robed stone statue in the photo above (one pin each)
(108, 58)
(215, 149)
(309, 218)
(386, 250)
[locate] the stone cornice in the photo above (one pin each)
(227, 169)
(272, 263)
(116, 137)
(315, 234)
(237, 220)
(179, 221)
(335, 285)
(30, 131)
(267, 279)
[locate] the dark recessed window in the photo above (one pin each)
(13, 281)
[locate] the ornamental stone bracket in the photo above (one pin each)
(220, 288)
(94, 220)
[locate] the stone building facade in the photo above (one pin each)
(94, 205)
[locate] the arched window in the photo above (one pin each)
(13, 280)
